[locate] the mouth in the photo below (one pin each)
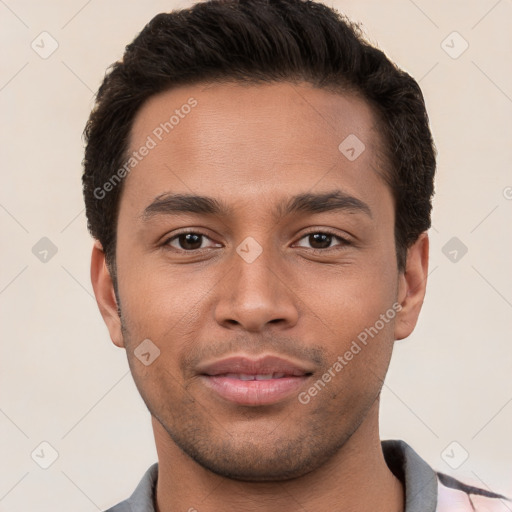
(257, 376)
(255, 382)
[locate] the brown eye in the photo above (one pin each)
(319, 240)
(189, 241)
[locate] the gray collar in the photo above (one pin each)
(419, 479)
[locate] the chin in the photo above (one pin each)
(258, 457)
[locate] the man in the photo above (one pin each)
(258, 180)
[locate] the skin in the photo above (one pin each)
(253, 147)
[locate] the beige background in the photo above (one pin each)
(61, 379)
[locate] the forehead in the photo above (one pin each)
(240, 140)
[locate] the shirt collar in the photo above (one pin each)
(418, 478)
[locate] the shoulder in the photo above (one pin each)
(456, 496)
(433, 491)
(142, 499)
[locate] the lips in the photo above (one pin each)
(245, 376)
(246, 381)
(267, 365)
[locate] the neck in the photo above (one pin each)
(355, 478)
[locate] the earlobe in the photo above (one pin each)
(412, 286)
(105, 295)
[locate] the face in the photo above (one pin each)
(271, 300)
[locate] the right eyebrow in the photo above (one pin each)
(188, 203)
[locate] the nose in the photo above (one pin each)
(256, 295)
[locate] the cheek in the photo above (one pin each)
(162, 303)
(348, 298)
(354, 321)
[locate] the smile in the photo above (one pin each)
(255, 382)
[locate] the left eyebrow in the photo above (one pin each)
(167, 204)
(323, 202)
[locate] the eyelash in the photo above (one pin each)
(344, 241)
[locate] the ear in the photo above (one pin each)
(104, 292)
(412, 284)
